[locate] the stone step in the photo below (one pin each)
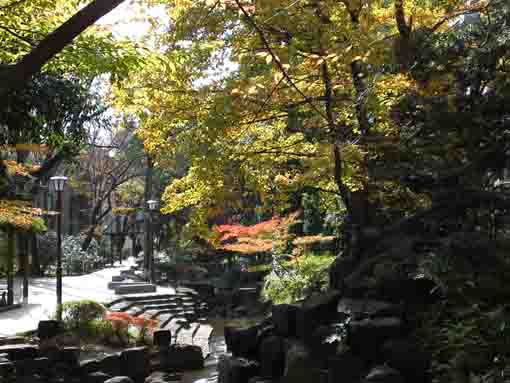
(142, 310)
(113, 285)
(135, 288)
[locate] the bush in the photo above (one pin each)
(78, 315)
(297, 279)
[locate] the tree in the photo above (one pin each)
(14, 76)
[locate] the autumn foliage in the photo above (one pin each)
(252, 239)
(124, 320)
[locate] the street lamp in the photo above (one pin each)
(59, 183)
(152, 207)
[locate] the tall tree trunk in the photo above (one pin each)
(146, 221)
(36, 262)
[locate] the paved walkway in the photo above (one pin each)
(42, 297)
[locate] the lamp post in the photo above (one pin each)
(59, 183)
(152, 207)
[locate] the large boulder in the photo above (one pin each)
(135, 363)
(111, 364)
(242, 342)
(345, 368)
(316, 310)
(181, 357)
(383, 374)
(162, 338)
(408, 358)
(19, 351)
(47, 329)
(160, 377)
(366, 336)
(272, 357)
(120, 379)
(39, 366)
(340, 269)
(236, 370)
(299, 365)
(96, 377)
(367, 308)
(284, 319)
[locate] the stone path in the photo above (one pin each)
(42, 297)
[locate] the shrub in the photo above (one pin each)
(123, 322)
(297, 279)
(79, 314)
(74, 258)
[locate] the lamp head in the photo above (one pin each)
(58, 182)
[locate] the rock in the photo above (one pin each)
(242, 342)
(96, 377)
(162, 338)
(69, 355)
(284, 319)
(367, 335)
(118, 278)
(135, 362)
(161, 377)
(6, 368)
(181, 357)
(19, 351)
(48, 329)
(324, 342)
(111, 364)
(30, 379)
(119, 379)
(299, 365)
(272, 357)
(367, 308)
(258, 379)
(89, 366)
(12, 340)
(39, 366)
(340, 269)
(412, 290)
(405, 356)
(345, 368)
(383, 374)
(314, 311)
(236, 370)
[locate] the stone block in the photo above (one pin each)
(39, 366)
(367, 308)
(162, 338)
(315, 311)
(284, 319)
(181, 357)
(345, 368)
(135, 362)
(120, 379)
(118, 278)
(366, 336)
(405, 356)
(272, 357)
(48, 329)
(20, 351)
(96, 377)
(299, 365)
(236, 370)
(135, 288)
(242, 342)
(383, 374)
(111, 364)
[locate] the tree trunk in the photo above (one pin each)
(146, 221)
(36, 263)
(15, 76)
